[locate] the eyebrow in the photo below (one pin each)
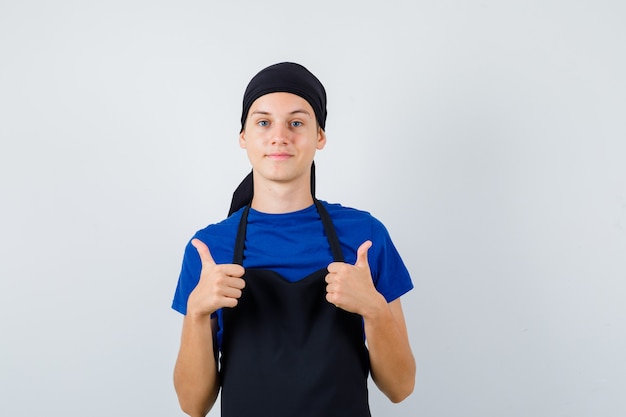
(263, 112)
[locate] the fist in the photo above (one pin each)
(350, 287)
(219, 285)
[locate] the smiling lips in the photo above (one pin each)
(279, 156)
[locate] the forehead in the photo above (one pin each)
(279, 102)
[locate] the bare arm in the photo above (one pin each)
(196, 377)
(391, 359)
(350, 287)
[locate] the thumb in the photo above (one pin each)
(361, 254)
(203, 251)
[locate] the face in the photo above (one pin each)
(281, 136)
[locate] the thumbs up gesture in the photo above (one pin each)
(350, 287)
(219, 285)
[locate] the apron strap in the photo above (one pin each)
(241, 237)
(331, 234)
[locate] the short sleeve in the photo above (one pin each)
(390, 275)
(188, 278)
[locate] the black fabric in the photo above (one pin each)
(286, 351)
(242, 196)
(287, 77)
(329, 229)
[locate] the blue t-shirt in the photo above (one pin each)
(294, 245)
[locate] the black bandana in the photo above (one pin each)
(287, 77)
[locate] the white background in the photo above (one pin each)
(489, 136)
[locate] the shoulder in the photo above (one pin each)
(219, 237)
(343, 213)
(352, 218)
(355, 226)
(222, 228)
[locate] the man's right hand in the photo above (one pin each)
(219, 285)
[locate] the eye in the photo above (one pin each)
(296, 123)
(263, 123)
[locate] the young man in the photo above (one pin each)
(291, 302)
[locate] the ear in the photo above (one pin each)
(321, 138)
(242, 139)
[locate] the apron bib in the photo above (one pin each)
(288, 352)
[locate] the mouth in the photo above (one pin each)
(279, 156)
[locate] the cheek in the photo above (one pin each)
(249, 139)
(253, 147)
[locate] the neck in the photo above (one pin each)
(276, 198)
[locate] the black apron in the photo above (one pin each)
(286, 351)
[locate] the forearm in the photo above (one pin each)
(391, 360)
(195, 375)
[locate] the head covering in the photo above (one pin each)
(286, 77)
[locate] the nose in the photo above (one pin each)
(280, 134)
